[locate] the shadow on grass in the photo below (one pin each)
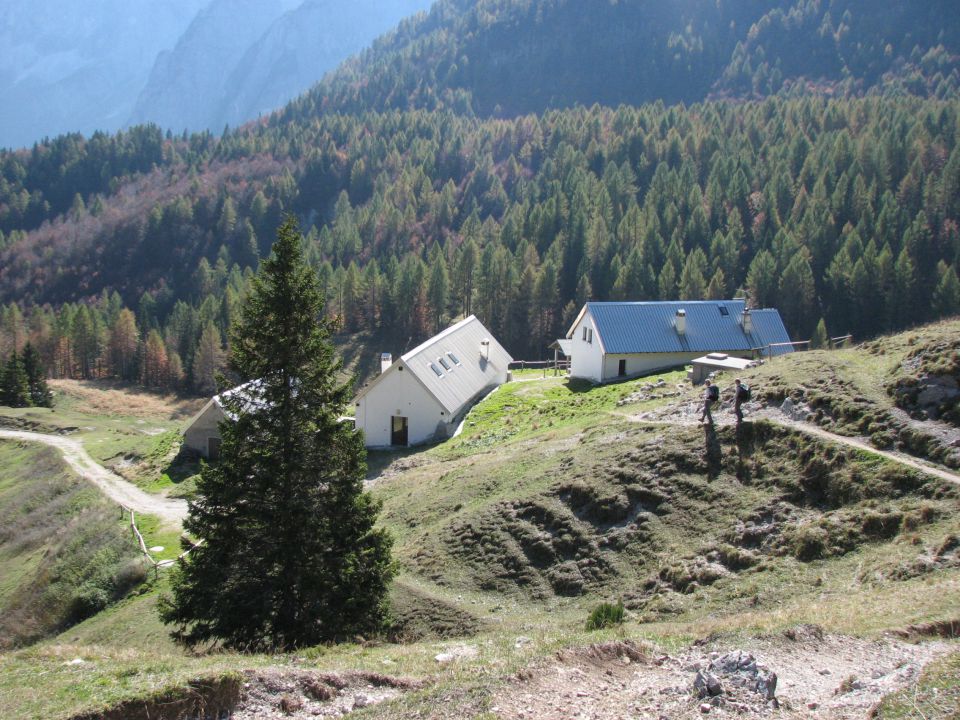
(713, 453)
(379, 460)
(578, 385)
(184, 465)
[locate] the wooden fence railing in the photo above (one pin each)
(157, 564)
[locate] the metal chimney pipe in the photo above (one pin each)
(681, 321)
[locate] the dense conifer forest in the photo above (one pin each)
(829, 189)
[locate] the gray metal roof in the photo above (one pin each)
(452, 365)
(563, 345)
(711, 325)
(768, 329)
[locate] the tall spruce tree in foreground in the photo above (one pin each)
(290, 556)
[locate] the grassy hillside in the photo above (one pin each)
(65, 554)
(898, 391)
(135, 433)
(557, 496)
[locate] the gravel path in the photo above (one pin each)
(113, 486)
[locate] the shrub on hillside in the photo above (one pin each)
(605, 615)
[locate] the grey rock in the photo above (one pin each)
(766, 684)
(707, 685)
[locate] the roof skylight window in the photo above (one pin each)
(437, 371)
(446, 365)
(723, 310)
(456, 360)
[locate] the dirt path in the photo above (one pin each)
(686, 414)
(113, 486)
(914, 463)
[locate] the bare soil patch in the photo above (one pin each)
(817, 675)
(306, 694)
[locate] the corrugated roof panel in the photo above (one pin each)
(455, 387)
(768, 329)
(650, 327)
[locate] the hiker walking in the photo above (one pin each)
(711, 394)
(741, 395)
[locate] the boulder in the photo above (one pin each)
(706, 684)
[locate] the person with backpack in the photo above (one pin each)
(710, 395)
(741, 395)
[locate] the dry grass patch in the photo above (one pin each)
(103, 397)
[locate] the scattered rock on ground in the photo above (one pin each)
(285, 694)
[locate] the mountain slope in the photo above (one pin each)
(297, 50)
(508, 57)
(842, 210)
(186, 81)
(64, 554)
(71, 67)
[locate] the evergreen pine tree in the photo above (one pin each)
(946, 295)
(14, 388)
(290, 557)
(40, 395)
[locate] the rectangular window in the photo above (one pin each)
(584, 333)
(456, 360)
(446, 365)
(590, 336)
(437, 371)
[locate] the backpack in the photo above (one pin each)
(713, 393)
(744, 392)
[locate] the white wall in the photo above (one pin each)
(645, 363)
(586, 359)
(204, 427)
(398, 392)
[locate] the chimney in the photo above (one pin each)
(485, 348)
(747, 322)
(681, 322)
(386, 360)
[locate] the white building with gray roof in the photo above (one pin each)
(616, 340)
(423, 396)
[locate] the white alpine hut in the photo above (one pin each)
(616, 340)
(424, 395)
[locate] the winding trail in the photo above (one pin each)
(110, 484)
(924, 466)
